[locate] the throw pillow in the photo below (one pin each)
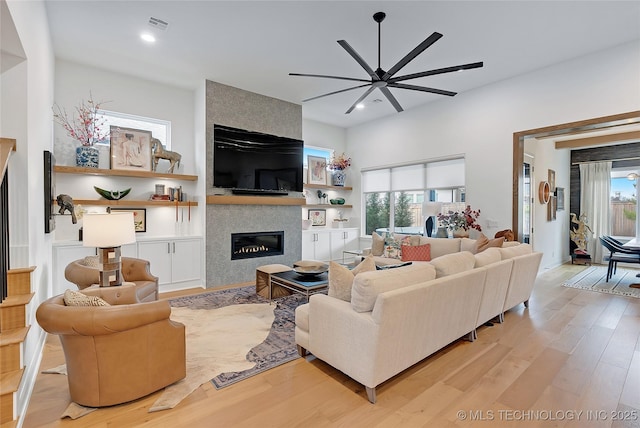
(484, 242)
(75, 298)
(416, 253)
(91, 261)
(392, 252)
(341, 278)
(377, 244)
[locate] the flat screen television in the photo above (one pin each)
(253, 162)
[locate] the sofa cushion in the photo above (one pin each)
(518, 250)
(441, 246)
(470, 245)
(341, 278)
(377, 244)
(367, 285)
(488, 256)
(75, 298)
(450, 264)
(416, 253)
(484, 242)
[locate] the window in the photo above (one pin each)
(160, 129)
(624, 204)
(406, 188)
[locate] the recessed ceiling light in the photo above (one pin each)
(360, 106)
(147, 37)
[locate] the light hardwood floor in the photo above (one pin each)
(572, 359)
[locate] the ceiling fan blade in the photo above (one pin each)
(335, 92)
(362, 97)
(329, 77)
(387, 93)
(358, 59)
(422, 89)
(437, 71)
(411, 55)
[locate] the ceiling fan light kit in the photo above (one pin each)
(383, 80)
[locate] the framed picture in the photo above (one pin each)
(49, 192)
(317, 170)
(318, 217)
(560, 198)
(139, 217)
(130, 149)
(551, 206)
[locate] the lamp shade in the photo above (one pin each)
(430, 209)
(108, 230)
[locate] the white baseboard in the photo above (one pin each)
(29, 379)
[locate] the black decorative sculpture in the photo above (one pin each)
(65, 202)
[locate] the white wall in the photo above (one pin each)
(126, 94)
(319, 134)
(546, 157)
(33, 134)
(480, 124)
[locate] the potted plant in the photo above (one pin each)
(85, 126)
(338, 164)
(459, 223)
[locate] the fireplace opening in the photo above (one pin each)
(258, 244)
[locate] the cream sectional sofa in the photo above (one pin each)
(397, 317)
(439, 247)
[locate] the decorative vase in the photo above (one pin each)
(460, 233)
(87, 157)
(441, 232)
(338, 177)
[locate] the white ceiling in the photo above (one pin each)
(254, 45)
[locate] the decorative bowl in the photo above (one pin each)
(337, 201)
(112, 195)
(310, 267)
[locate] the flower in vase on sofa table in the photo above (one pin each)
(338, 164)
(456, 222)
(87, 126)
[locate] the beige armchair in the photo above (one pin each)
(133, 270)
(118, 353)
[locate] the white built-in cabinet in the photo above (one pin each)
(344, 240)
(329, 244)
(176, 262)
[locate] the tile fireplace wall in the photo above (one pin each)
(242, 109)
(223, 220)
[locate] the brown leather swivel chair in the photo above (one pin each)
(116, 353)
(133, 270)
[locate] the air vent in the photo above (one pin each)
(158, 23)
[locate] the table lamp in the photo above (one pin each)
(108, 232)
(429, 211)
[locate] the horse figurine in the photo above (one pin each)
(159, 152)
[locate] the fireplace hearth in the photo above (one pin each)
(257, 244)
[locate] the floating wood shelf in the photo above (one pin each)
(122, 173)
(253, 200)
(323, 186)
(131, 203)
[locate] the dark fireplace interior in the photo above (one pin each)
(258, 244)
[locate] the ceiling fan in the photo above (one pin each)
(384, 80)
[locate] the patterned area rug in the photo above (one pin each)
(594, 279)
(277, 349)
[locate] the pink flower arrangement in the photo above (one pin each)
(85, 126)
(339, 162)
(461, 220)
